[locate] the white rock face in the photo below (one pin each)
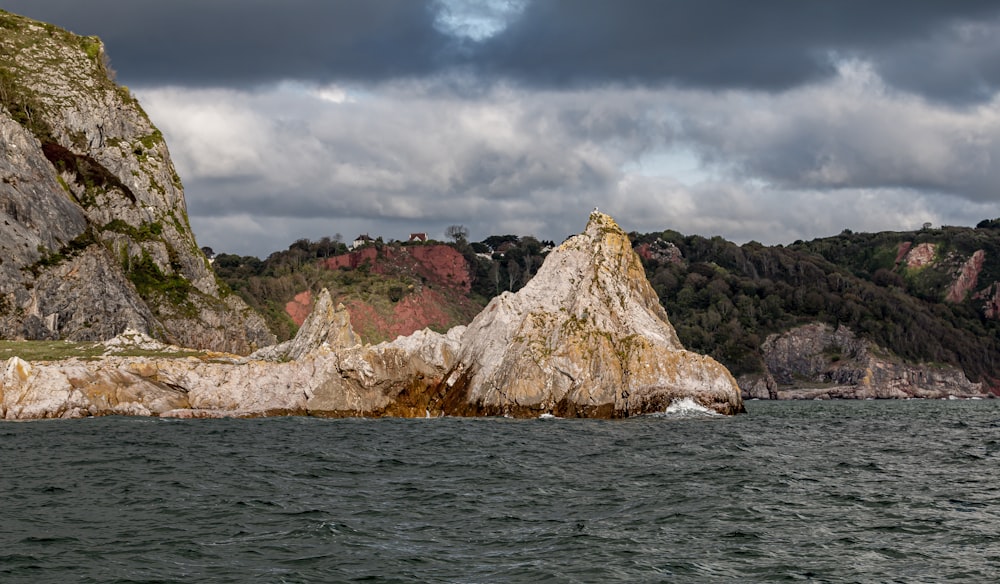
(132, 339)
(74, 389)
(326, 326)
(586, 336)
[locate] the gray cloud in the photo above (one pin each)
(401, 156)
(413, 157)
(955, 64)
(719, 44)
(852, 132)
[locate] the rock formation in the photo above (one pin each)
(94, 236)
(966, 278)
(587, 337)
(818, 361)
(326, 325)
(917, 256)
(416, 287)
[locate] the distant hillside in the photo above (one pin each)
(925, 297)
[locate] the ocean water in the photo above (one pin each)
(859, 491)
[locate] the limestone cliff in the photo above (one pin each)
(587, 337)
(94, 236)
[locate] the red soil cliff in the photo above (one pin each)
(438, 297)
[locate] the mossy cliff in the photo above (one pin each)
(94, 235)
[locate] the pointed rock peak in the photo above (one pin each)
(598, 272)
(325, 325)
(17, 369)
(603, 224)
(601, 229)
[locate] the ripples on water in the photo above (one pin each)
(814, 491)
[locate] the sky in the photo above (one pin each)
(772, 121)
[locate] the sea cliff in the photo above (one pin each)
(94, 234)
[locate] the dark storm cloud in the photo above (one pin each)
(958, 64)
(922, 45)
(723, 43)
(240, 42)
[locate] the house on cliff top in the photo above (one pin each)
(360, 241)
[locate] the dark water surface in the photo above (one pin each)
(793, 491)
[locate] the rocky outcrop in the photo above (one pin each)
(758, 386)
(817, 361)
(918, 256)
(586, 337)
(326, 326)
(416, 287)
(966, 278)
(990, 297)
(416, 310)
(93, 225)
(76, 389)
(660, 251)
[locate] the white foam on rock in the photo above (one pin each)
(687, 407)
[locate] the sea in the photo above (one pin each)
(813, 491)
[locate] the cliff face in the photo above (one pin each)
(587, 337)
(817, 361)
(93, 227)
(964, 273)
